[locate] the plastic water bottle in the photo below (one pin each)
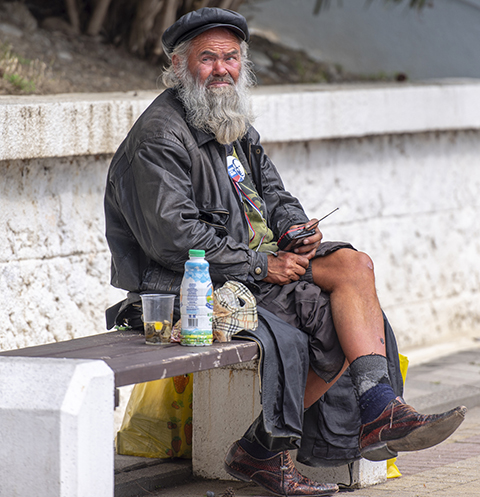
(196, 301)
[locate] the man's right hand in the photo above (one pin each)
(286, 267)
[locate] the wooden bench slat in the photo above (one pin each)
(180, 361)
(107, 349)
(135, 362)
(89, 342)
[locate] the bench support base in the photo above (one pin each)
(56, 427)
(225, 402)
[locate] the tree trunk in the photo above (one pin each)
(167, 17)
(153, 17)
(226, 4)
(142, 25)
(98, 16)
(73, 16)
(236, 4)
(189, 5)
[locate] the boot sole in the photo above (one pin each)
(422, 438)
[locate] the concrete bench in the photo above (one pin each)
(57, 400)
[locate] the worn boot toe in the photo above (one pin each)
(401, 428)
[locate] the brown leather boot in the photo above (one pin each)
(401, 428)
(277, 474)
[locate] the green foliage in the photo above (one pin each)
(20, 83)
(22, 74)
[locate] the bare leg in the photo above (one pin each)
(349, 278)
(316, 387)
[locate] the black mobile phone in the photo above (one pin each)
(294, 237)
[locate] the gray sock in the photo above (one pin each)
(368, 371)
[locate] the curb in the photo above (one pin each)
(139, 476)
(445, 382)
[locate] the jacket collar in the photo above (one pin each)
(201, 137)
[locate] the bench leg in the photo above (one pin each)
(56, 427)
(225, 402)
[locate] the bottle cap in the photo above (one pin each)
(196, 253)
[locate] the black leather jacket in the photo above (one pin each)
(168, 191)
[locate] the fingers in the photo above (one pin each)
(287, 267)
(313, 222)
(291, 266)
(310, 255)
(299, 260)
(310, 244)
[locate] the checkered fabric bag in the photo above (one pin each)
(234, 310)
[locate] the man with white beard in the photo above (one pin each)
(192, 174)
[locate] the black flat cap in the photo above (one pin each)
(199, 21)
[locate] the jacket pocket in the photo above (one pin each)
(217, 218)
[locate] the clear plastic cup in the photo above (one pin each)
(157, 317)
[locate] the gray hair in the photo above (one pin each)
(169, 78)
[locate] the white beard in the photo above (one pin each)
(223, 111)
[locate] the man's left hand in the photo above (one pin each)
(308, 246)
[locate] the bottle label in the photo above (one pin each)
(198, 272)
(196, 305)
(196, 340)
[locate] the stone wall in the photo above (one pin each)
(54, 261)
(411, 202)
(401, 162)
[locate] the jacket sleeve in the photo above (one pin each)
(164, 219)
(284, 210)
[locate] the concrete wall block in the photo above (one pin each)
(225, 403)
(409, 201)
(363, 473)
(55, 207)
(54, 262)
(379, 176)
(93, 124)
(407, 195)
(56, 427)
(55, 299)
(97, 123)
(308, 113)
(435, 322)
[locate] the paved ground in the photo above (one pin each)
(451, 469)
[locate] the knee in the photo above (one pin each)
(344, 268)
(356, 265)
(364, 262)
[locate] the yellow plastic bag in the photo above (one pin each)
(392, 470)
(158, 419)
